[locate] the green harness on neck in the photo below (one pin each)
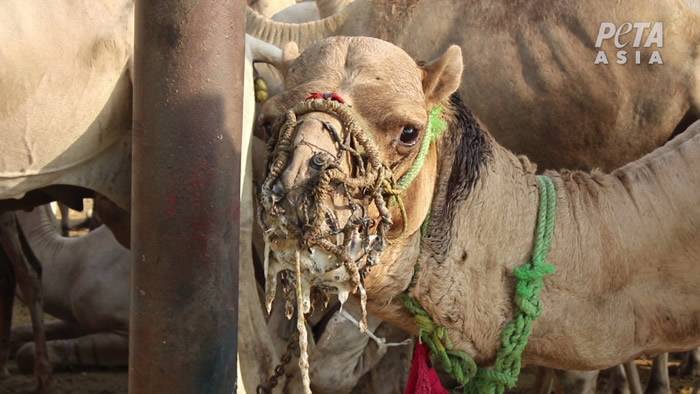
(530, 278)
(529, 281)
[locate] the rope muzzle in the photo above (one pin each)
(329, 256)
(368, 186)
(317, 225)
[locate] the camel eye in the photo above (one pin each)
(409, 135)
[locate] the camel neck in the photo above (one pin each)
(490, 235)
(613, 237)
(42, 233)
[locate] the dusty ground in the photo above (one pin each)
(78, 382)
(114, 381)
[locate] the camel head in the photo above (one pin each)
(346, 188)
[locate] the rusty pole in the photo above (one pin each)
(188, 78)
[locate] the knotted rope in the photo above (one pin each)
(372, 181)
(529, 282)
(369, 180)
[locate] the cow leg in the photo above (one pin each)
(616, 381)
(65, 219)
(105, 349)
(31, 290)
(659, 382)
(7, 298)
(633, 377)
(691, 364)
(28, 277)
(544, 380)
(577, 382)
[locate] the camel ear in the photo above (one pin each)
(442, 76)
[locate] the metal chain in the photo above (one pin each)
(273, 380)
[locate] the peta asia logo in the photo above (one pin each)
(629, 39)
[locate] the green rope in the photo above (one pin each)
(529, 281)
(436, 126)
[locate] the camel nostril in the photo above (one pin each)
(278, 191)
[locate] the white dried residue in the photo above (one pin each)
(302, 303)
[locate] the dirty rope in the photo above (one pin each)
(370, 181)
(374, 180)
(529, 281)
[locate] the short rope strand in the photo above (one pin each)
(529, 282)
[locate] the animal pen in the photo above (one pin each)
(187, 121)
(352, 196)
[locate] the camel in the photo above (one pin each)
(551, 45)
(86, 285)
(618, 235)
(520, 61)
(85, 282)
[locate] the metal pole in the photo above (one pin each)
(188, 79)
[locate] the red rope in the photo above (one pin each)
(423, 379)
(333, 96)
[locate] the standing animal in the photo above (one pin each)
(521, 60)
(20, 269)
(66, 117)
(530, 73)
(618, 236)
(623, 380)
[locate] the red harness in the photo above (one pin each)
(333, 96)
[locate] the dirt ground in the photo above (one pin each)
(113, 381)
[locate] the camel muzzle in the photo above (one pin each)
(324, 186)
(324, 206)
